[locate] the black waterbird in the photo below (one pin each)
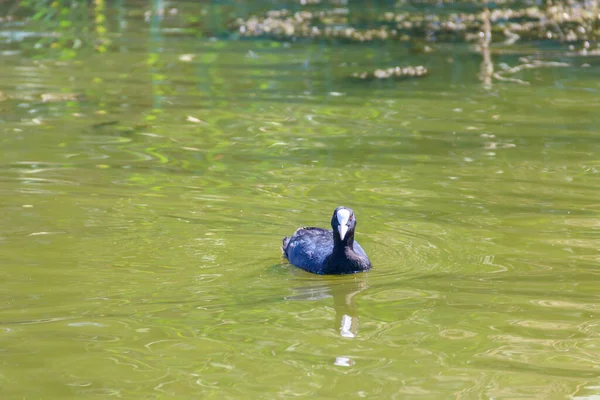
(322, 251)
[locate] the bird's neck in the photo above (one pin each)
(340, 245)
(343, 259)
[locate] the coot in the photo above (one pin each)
(322, 251)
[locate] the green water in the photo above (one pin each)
(140, 247)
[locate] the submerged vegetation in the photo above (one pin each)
(576, 23)
(395, 72)
(566, 21)
(568, 28)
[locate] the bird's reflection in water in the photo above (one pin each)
(343, 289)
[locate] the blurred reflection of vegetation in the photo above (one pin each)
(68, 20)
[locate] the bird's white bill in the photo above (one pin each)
(342, 229)
(343, 216)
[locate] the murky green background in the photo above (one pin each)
(140, 247)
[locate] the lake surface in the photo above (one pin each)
(146, 187)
